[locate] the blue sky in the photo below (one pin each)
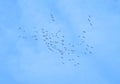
(59, 41)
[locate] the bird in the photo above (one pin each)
(90, 24)
(89, 20)
(84, 31)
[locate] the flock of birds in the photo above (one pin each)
(57, 44)
(89, 19)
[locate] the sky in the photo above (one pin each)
(59, 42)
